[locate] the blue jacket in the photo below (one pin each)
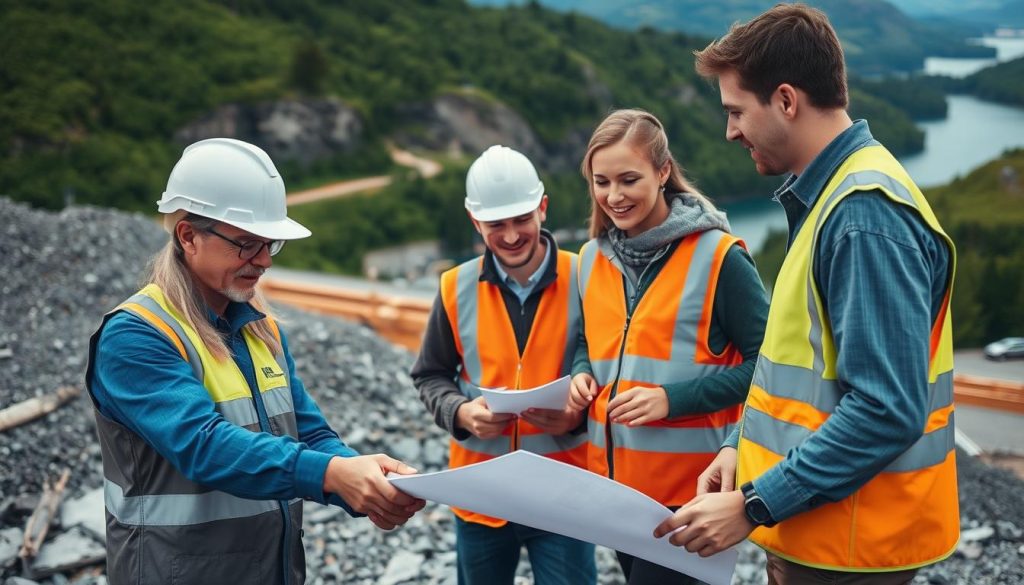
(141, 382)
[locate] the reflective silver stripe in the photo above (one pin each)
(282, 363)
(466, 302)
(278, 401)
(780, 437)
(588, 254)
(154, 307)
(775, 435)
(654, 371)
(930, 450)
(544, 444)
(572, 324)
(239, 411)
(181, 509)
(469, 390)
(242, 411)
(683, 440)
(796, 383)
(495, 447)
(681, 365)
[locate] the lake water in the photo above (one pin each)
(1006, 49)
(974, 132)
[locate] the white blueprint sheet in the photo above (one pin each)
(536, 491)
(553, 396)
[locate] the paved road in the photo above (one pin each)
(994, 431)
(971, 361)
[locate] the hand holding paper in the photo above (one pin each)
(551, 396)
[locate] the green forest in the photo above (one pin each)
(983, 212)
(91, 94)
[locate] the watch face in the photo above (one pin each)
(757, 511)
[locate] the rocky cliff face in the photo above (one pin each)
(460, 124)
(465, 125)
(298, 130)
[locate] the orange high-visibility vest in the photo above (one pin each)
(906, 516)
(490, 355)
(665, 340)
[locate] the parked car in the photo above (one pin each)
(1010, 347)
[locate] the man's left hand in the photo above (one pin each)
(712, 523)
(553, 422)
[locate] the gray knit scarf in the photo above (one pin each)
(687, 215)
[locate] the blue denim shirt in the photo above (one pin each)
(882, 274)
(141, 382)
(523, 291)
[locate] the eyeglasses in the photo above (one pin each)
(250, 249)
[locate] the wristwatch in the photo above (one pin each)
(755, 508)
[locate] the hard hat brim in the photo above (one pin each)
(285, 229)
(505, 211)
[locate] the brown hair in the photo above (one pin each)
(789, 43)
(645, 132)
(168, 271)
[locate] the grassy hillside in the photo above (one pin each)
(984, 214)
(91, 94)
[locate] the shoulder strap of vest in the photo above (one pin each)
(146, 306)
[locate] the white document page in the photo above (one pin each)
(553, 396)
(536, 491)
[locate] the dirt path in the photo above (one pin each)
(425, 167)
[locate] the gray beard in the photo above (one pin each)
(239, 296)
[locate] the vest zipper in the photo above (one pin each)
(261, 412)
(631, 304)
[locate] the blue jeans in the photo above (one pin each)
(489, 556)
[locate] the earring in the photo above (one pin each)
(663, 188)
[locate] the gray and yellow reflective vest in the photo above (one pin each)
(165, 528)
(907, 515)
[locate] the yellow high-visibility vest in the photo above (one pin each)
(907, 516)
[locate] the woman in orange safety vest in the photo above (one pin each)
(673, 317)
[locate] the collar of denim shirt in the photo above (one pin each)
(807, 187)
(236, 316)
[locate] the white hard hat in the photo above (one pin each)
(233, 182)
(502, 183)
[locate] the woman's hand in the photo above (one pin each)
(582, 392)
(638, 406)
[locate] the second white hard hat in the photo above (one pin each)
(234, 182)
(502, 183)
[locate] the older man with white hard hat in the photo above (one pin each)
(210, 442)
(510, 319)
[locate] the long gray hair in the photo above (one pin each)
(168, 271)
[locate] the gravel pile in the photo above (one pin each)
(61, 271)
